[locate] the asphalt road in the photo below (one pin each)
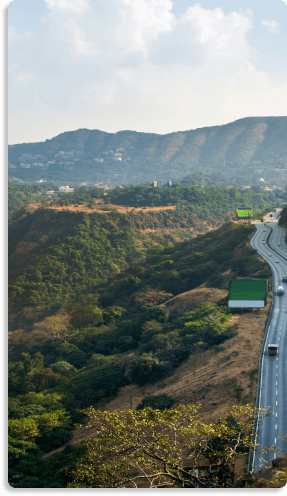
(273, 390)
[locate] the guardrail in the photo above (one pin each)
(252, 450)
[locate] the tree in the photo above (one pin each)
(162, 448)
(64, 368)
(151, 297)
(158, 401)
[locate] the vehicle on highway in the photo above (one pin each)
(276, 261)
(272, 349)
(279, 244)
(270, 254)
(263, 241)
(284, 278)
(280, 291)
(264, 230)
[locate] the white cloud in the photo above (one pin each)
(68, 6)
(15, 35)
(24, 79)
(272, 26)
(219, 36)
(93, 94)
(141, 21)
(131, 64)
(77, 38)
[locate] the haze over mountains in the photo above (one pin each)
(244, 150)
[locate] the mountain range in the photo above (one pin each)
(244, 151)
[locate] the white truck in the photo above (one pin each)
(280, 291)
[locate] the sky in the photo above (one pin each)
(157, 66)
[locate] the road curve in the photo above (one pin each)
(269, 241)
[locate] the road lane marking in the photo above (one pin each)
(276, 427)
(276, 402)
(276, 414)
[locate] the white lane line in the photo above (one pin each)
(276, 383)
(276, 427)
(276, 391)
(275, 440)
(276, 414)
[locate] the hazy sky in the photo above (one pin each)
(144, 65)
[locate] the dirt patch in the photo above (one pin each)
(189, 300)
(100, 208)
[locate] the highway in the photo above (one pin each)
(269, 241)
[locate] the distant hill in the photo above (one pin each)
(247, 149)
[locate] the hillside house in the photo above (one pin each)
(65, 189)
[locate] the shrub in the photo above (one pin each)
(157, 402)
(217, 347)
(54, 439)
(148, 368)
(98, 360)
(27, 481)
(64, 368)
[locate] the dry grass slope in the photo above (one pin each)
(202, 381)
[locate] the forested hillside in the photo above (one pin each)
(241, 150)
(57, 253)
(91, 316)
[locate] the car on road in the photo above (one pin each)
(270, 254)
(276, 261)
(263, 241)
(279, 244)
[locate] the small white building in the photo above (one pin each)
(65, 189)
